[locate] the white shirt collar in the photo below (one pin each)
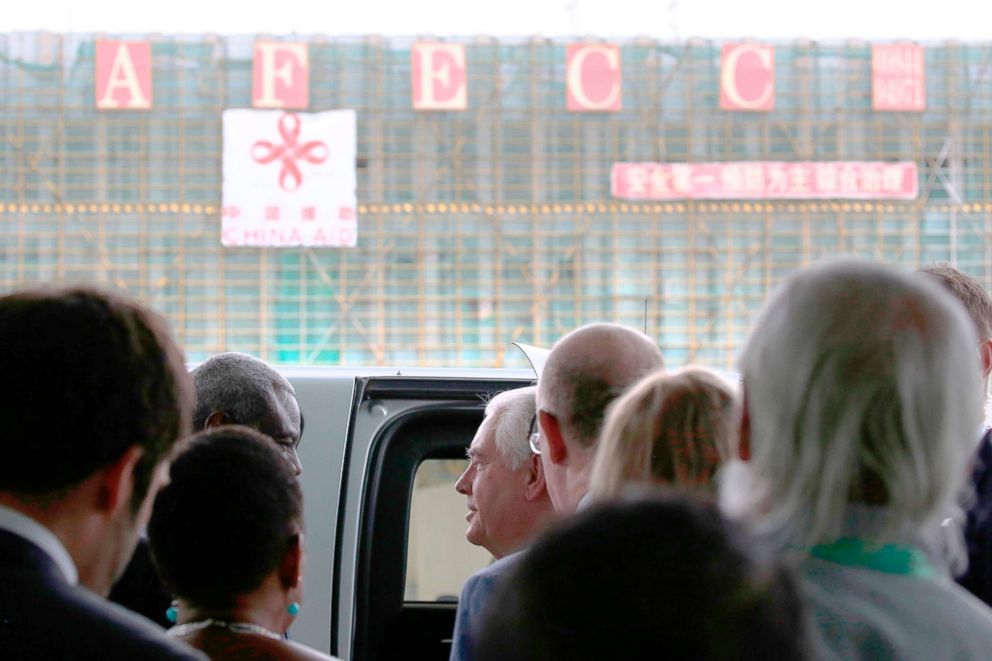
(24, 526)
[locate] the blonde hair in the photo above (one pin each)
(672, 428)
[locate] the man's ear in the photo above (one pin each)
(217, 419)
(117, 483)
(291, 566)
(556, 448)
(985, 352)
(535, 487)
(744, 440)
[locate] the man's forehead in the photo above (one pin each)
(283, 416)
(286, 401)
(480, 442)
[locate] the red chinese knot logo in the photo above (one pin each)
(290, 152)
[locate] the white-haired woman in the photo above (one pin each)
(670, 428)
(861, 388)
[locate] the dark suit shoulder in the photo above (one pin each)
(139, 589)
(43, 617)
(978, 526)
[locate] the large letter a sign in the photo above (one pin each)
(123, 75)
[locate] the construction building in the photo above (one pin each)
(483, 226)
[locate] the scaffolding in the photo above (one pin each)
(478, 227)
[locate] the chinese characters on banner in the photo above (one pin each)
(437, 76)
(592, 77)
(897, 78)
(765, 180)
(747, 77)
(280, 75)
(123, 75)
(289, 179)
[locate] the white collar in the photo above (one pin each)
(24, 526)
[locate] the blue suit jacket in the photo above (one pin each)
(978, 528)
(476, 594)
(43, 617)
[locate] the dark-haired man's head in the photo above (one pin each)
(585, 371)
(226, 521)
(238, 389)
(99, 399)
(659, 577)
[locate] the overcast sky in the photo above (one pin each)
(923, 20)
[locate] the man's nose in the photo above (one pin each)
(294, 461)
(464, 484)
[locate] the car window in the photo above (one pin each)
(438, 559)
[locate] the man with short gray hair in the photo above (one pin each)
(508, 501)
(504, 483)
(238, 389)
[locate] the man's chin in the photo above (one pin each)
(473, 537)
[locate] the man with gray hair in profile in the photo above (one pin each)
(585, 371)
(861, 390)
(507, 500)
(230, 389)
(504, 485)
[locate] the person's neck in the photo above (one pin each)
(76, 528)
(538, 515)
(577, 482)
(262, 607)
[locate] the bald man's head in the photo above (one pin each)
(587, 369)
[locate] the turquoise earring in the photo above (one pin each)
(294, 608)
(172, 614)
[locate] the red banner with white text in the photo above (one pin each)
(897, 78)
(765, 180)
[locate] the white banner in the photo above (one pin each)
(289, 178)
